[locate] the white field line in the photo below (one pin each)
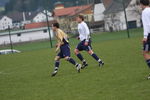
(3, 73)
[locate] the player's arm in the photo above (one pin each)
(87, 33)
(57, 46)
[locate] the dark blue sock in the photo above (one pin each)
(72, 61)
(148, 63)
(80, 57)
(95, 57)
(57, 63)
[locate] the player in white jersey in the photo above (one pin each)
(85, 42)
(146, 26)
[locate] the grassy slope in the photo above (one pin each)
(25, 76)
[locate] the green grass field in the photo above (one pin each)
(26, 76)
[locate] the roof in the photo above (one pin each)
(30, 15)
(1, 17)
(70, 10)
(113, 6)
(107, 3)
(38, 25)
(18, 16)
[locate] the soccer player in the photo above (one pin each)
(85, 42)
(146, 26)
(63, 47)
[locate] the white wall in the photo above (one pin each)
(41, 17)
(120, 23)
(98, 12)
(25, 37)
(5, 22)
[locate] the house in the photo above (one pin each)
(115, 16)
(21, 18)
(62, 12)
(5, 22)
(28, 35)
(41, 17)
(66, 16)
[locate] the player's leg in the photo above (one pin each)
(67, 55)
(79, 48)
(90, 52)
(57, 63)
(147, 59)
(80, 57)
(72, 61)
(147, 55)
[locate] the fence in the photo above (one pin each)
(45, 43)
(118, 20)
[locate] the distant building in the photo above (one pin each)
(86, 10)
(98, 23)
(21, 18)
(66, 16)
(41, 17)
(99, 9)
(59, 5)
(5, 22)
(115, 17)
(28, 35)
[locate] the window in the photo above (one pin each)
(45, 31)
(132, 24)
(19, 34)
(97, 1)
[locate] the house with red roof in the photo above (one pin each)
(66, 16)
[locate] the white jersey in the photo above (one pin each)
(84, 32)
(146, 21)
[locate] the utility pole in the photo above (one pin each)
(124, 9)
(122, 2)
(11, 44)
(48, 26)
(47, 20)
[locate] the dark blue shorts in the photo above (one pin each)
(82, 47)
(146, 45)
(64, 51)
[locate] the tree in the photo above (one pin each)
(33, 5)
